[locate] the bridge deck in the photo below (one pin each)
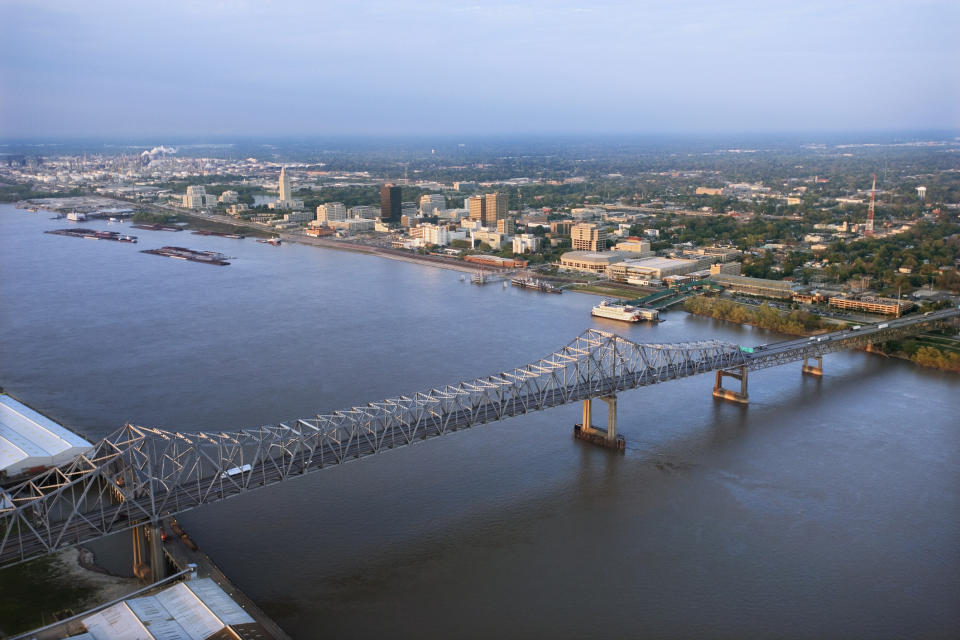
(140, 475)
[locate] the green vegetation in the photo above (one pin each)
(17, 192)
(149, 217)
(936, 352)
(797, 323)
(32, 592)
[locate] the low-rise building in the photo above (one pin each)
(229, 197)
(353, 225)
(729, 268)
(298, 216)
(779, 289)
(440, 235)
(526, 243)
(331, 212)
(637, 246)
(497, 261)
(651, 268)
(507, 226)
(364, 211)
(872, 304)
(592, 261)
(493, 239)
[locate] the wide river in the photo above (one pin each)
(826, 509)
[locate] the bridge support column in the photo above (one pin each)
(149, 563)
(606, 438)
(740, 397)
(813, 370)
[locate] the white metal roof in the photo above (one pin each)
(28, 438)
(191, 610)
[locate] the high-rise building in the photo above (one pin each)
(431, 203)
(196, 195)
(331, 212)
(488, 208)
(587, 236)
(284, 185)
(477, 206)
(390, 203)
(496, 207)
(507, 226)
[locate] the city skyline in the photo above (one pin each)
(396, 69)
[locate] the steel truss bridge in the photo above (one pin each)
(140, 475)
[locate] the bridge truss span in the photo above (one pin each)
(139, 475)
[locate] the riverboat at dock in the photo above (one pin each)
(613, 310)
(536, 285)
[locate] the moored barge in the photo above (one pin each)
(182, 253)
(92, 234)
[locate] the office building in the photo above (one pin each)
(331, 212)
(588, 237)
(507, 226)
(488, 209)
(526, 243)
(432, 203)
(363, 211)
(390, 203)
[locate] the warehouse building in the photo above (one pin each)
(30, 442)
(779, 289)
(652, 268)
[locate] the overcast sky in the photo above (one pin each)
(200, 67)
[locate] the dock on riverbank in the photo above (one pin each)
(179, 553)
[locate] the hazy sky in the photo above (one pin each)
(203, 67)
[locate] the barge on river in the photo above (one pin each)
(181, 253)
(92, 234)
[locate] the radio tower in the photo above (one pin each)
(869, 230)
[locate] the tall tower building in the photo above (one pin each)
(390, 204)
(496, 208)
(284, 185)
(488, 209)
(477, 207)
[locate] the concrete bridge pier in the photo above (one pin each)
(740, 397)
(606, 438)
(149, 563)
(813, 370)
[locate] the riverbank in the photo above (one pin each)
(797, 323)
(33, 592)
(923, 355)
(802, 323)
